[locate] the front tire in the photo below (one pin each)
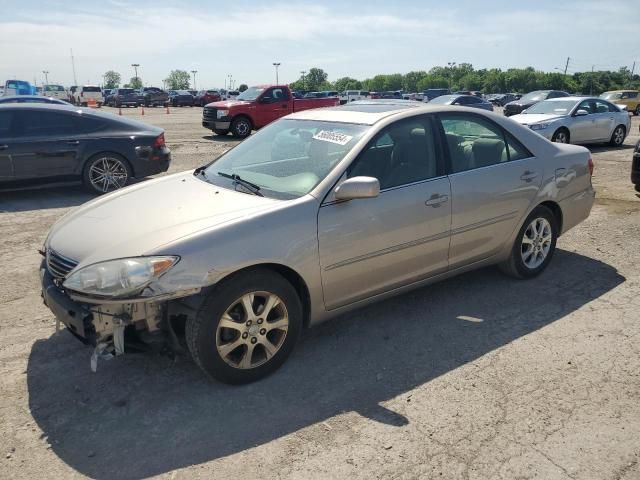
(534, 245)
(561, 136)
(241, 127)
(617, 137)
(106, 172)
(246, 327)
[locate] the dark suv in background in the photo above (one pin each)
(123, 97)
(153, 97)
(530, 99)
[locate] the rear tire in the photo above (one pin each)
(617, 137)
(241, 127)
(117, 173)
(261, 347)
(561, 135)
(534, 245)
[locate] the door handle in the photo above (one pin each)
(4, 147)
(436, 200)
(528, 176)
(73, 142)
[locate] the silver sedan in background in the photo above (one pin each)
(463, 101)
(316, 214)
(577, 120)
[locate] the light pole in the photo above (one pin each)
(135, 67)
(276, 65)
(303, 72)
(194, 78)
(46, 76)
(230, 84)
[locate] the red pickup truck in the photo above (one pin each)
(256, 107)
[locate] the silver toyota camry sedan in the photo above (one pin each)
(577, 120)
(316, 214)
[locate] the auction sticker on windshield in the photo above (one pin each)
(333, 137)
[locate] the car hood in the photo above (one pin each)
(139, 219)
(518, 103)
(530, 119)
(228, 103)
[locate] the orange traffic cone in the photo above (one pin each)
(91, 103)
(142, 110)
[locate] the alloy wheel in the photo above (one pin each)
(561, 137)
(252, 330)
(108, 174)
(536, 243)
(618, 136)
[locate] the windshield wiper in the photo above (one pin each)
(200, 170)
(252, 187)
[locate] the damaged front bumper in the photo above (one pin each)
(102, 322)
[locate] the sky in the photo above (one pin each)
(243, 38)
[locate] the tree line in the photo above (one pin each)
(465, 77)
(176, 80)
(457, 77)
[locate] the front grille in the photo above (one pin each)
(58, 265)
(209, 113)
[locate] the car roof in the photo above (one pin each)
(37, 97)
(574, 98)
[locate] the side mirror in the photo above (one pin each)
(266, 100)
(357, 187)
(581, 113)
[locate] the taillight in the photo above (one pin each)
(159, 142)
(590, 166)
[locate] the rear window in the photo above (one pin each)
(183, 92)
(212, 92)
(53, 88)
(91, 89)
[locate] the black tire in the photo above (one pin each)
(617, 137)
(637, 187)
(637, 111)
(515, 266)
(86, 172)
(147, 103)
(561, 135)
(222, 133)
(201, 330)
(241, 127)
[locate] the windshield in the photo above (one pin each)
(611, 95)
(125, 91)
(534, 96)
(288, 158)
(183, 92)
(250, 93)
(552, 107)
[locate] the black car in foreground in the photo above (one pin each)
(42, 143)
(635, 167)
(518, 106)
(180, 98)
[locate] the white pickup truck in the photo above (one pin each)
(83, 94)
(55, 91)
(352, 95)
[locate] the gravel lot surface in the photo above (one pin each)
(477, 377)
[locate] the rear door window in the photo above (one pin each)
(43, 124)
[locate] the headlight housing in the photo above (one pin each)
(118, 278)
(538, 126)
(222, 113)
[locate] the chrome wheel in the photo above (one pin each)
(536, 243)
(252, 330)
(242, 128)
(108, 173)
(618, 136)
